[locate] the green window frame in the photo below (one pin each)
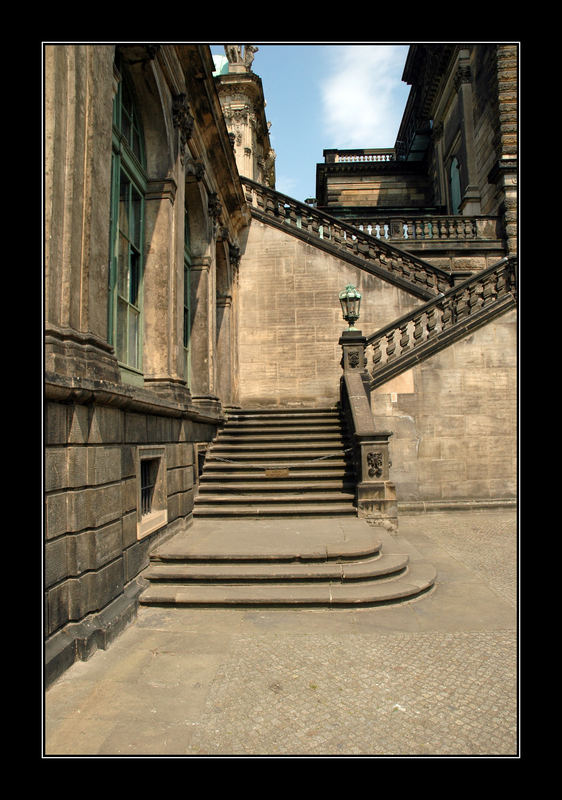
(128, 189)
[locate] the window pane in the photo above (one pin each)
(134, 277)
(123, 266)
(124, 204)
(121, 344)
(136, 144)
(135, 218)
(133, 338)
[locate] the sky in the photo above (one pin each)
(323, 96)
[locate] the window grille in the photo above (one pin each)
(149, 472)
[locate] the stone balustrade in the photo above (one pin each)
(430, 228)
(412, 273)
(359, 155)
(439, 321)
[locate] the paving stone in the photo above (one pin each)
(435, 677)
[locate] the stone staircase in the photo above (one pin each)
(275, 524)
(280, 562)
(275, 463)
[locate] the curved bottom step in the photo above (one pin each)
(418, 579)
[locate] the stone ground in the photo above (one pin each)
(437, 676)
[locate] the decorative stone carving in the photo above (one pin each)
(374, 462)
(463, 75)
(353, 357)
(214, 206)
(195, 168)
(235, 57)
(183, 120)
(234, 255)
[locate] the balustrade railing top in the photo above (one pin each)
(412, 273)
(363, 154)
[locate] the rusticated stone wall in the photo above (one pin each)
(94, 544)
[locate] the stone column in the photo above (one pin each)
(162, 292)
(224, 348)
(470, 205)
(78, 114)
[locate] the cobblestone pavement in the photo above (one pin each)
(433, 677)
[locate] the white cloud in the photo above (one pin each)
(363, 96)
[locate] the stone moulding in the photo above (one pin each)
(82, 391)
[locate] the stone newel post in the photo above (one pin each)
(375, 493)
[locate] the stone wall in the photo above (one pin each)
(95, 542)
(454, 422)
(290, 318)
(453, 417)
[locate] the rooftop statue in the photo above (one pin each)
(234, 54)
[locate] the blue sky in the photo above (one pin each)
(323, 96)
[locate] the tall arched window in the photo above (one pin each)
(128, 186)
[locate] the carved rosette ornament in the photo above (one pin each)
(183, 121)
(374, 462)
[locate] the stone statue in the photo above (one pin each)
(235, 57)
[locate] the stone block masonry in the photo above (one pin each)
(453, 417)
(95, 542)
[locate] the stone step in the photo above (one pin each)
(332, 468)
(267, 509)
(274, 484)
(335, 444)
(377, 567)
(255, 498)
(416, 580)
(276, 425)
(284, 413)
(312, 439)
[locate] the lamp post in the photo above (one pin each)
(350, 300)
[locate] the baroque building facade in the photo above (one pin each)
(179, 285)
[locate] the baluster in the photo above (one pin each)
(404, 337)
(489, 290)
(462, 307)
(431, 321)
(501, 284)
(377, 354)
(419, 225)
(474, 297)
(390, 346)
(447, 314)
(418, 329)
(442, 229)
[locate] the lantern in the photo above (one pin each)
(350, 300)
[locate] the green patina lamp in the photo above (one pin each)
(350, 300)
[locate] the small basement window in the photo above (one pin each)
(152, 498)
